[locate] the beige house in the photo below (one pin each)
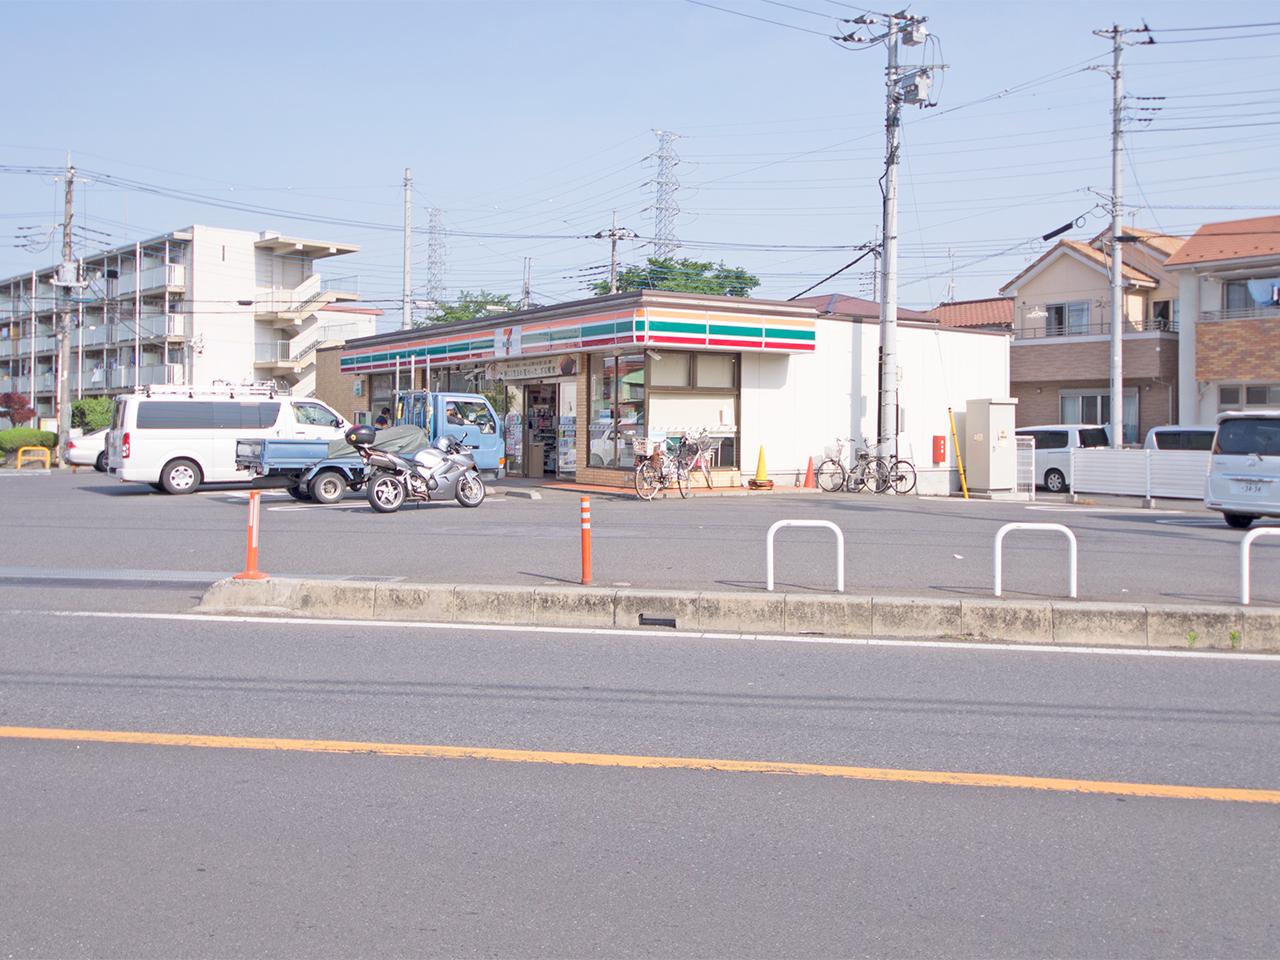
(1060, 359)
(1230, 337)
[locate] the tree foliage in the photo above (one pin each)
(91, 413)
(688, 276)
(470, 305)
(15, 408)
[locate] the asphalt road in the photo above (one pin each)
(147, 849)
(894, 545)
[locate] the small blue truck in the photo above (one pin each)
(323, 471)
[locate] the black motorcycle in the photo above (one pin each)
(444, 470)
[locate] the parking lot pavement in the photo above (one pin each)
(900, 546)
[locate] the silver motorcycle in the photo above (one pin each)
(446, 470)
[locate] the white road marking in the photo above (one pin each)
(652, 634)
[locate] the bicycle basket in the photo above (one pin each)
(644, 446)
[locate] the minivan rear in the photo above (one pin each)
(1244, 470)
(1179, 438)
(1054, 444)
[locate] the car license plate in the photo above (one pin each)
(1251, 488)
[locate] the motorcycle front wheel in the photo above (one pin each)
(470, 492)
(385, 493)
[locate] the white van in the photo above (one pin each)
(1054, 444)
(1244, 468)
(1179, 438)
(177, 438)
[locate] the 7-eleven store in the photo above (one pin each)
(576, 381)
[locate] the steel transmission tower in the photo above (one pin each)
(665, 208)
(435, 263)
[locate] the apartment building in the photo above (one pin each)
(1229, 347)
(194, 306)
(1060, 359)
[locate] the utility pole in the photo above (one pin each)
(528, 270)
(909, 86)
(1117, 234)
(614, 235)
(406, 315)
(68, 279)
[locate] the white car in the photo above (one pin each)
(1179, 438)
(1244, 468)
(89, 450)
(1054, 444)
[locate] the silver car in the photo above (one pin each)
(1244, 468)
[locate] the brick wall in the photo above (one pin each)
(335, 387)
(1238, 350)
(1072, 362)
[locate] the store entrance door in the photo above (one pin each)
(540, 422)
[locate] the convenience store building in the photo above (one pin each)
(577, 380)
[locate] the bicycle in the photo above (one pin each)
(656, 470)
(866, 471)
(696, 450)
(902, 476)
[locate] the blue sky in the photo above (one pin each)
(529, 124)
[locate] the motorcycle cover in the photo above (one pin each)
(405, 440)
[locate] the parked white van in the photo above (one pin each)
(1179, 438)
(1054, 444)
(1244, 468)
(176, 438)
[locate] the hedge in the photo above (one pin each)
(12, 440)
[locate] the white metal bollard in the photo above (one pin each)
(1071, 558)
(1245, 546)
(768, 549)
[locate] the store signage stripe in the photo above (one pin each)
(790, 334)
(659, 325)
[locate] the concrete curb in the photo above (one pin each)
(1057, 622)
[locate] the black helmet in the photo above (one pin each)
(361, 436)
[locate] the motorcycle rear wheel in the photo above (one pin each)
(470, 491)
(385, 493)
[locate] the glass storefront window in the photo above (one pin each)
(616, 391)
(670, 369)
(717, 370)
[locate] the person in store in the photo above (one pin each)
(383, 419)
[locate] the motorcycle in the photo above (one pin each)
(444, 470)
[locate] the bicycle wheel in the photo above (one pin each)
(646, 480)
(705, 463)
(902, 476)
(877, 475)
(682, 480)
(830, 475)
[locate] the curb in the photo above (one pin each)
(1056, 622)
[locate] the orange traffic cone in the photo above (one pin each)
(809, 481)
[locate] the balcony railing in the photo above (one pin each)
(1102, 328)
(1241, 313)
(278, 352)
(150, 278)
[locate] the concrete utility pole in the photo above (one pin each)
(909, 86)
(68, 279)
(528, 271)
(1117, 233)
(614, 235)
(406, 315)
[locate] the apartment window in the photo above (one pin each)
(1161, 314)
(1084, 406)
(1067, 318)
(1235, 396)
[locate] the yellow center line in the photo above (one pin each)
(1171, 791)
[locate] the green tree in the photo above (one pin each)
(91, 413)
(689, 276)
(469, 305)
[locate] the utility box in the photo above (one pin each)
(990, 447)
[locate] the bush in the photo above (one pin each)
(91, 413)
(12, 440)
(14, 407)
